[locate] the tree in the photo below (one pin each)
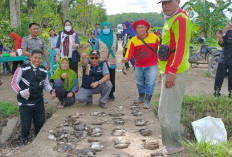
(64, 7)
(207, 15)
(13, 16)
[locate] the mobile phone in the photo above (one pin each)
(220, 31)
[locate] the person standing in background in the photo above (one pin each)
(17, 45)
(97, 30)
(67, 45)
(52, 39)
(107, 45)
(34, 42)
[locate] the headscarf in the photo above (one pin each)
(17, 40)
(70, 80)
(129, 30)
(66, 40)
(141, 22)
(108, 39)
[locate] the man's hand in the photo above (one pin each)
(170, 80)
(48, 67)
(75, 45)
(70, 94)
(64, 75)
(124, 60)
(219, 35)
(94, 85)
(53, 94)
(25, 93)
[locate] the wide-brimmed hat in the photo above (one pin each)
(163, 1)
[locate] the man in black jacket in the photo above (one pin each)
(224, 63)
(28, 81)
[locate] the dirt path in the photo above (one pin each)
(126, 92)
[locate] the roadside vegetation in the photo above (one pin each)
(8, 109)
(195, 107)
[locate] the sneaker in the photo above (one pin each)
(103, 105)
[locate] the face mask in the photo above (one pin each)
(106, 31)
(68, 28)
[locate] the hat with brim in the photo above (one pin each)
(141, 22)
(163, 1)
(94, 52)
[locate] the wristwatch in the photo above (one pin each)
(99, 82)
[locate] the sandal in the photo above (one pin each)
(60, 106)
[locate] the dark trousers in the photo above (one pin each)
(73, 65)
(15, 65)
(220, 75)
(61, 94)
(27, 113)
(112, 79)
(6, 65)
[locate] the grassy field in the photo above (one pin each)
(9, 108)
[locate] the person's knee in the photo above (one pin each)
(80, 98)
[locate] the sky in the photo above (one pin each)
(140, 6)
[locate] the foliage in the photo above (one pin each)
(8, 109)
(207, 149)
(198, 106)
(155, 19)
(207, 15)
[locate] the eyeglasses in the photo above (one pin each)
(96, 58)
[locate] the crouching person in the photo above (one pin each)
(65, 83)
(28, 81)
(95, 79)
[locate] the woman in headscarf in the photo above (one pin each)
(107, 45)
(65, 83)
(67, 45)
(128, 33)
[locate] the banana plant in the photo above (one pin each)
(207, 15)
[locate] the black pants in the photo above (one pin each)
(15, 65)
(220, 75)
(112, 79)
(27, 113)
(61, 94)
(73, 65)
(7, 66)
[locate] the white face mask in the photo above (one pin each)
(68, 28)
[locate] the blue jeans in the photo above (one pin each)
(145, 79)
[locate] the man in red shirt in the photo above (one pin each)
(143, 48)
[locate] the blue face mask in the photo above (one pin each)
(106, 31)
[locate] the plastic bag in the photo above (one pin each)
(210, 129)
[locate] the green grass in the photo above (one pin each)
(206, 74)
(206, 149)
(8, 108)
(195, 107)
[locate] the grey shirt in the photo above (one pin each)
(31, 44)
